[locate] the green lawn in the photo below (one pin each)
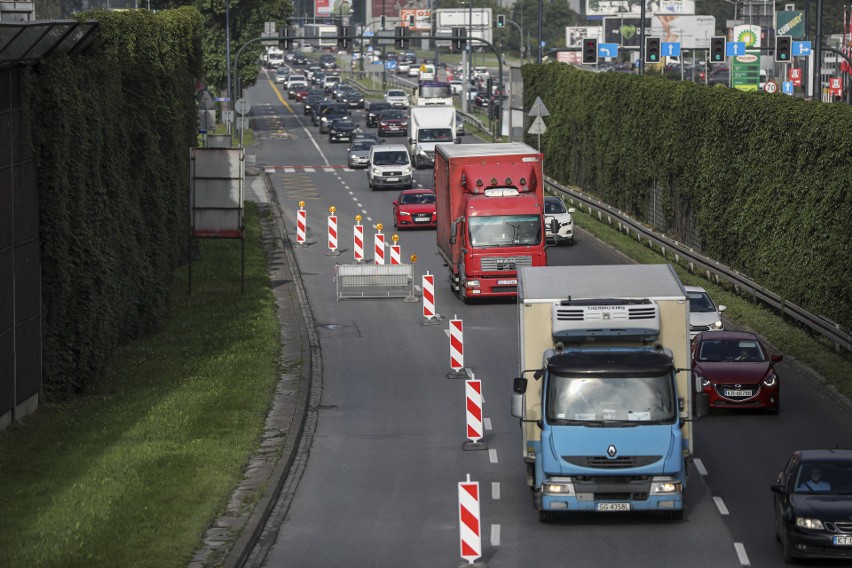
(132, 473)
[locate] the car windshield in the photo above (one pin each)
(393, 158)
(417, 198)
(396, 93)
(727, 350)
(362, 145)
(435, 135)
(393, 115)
(597, 400)
(554, 206)
(334, 109)
(505, 230)
(376, 108)
(343, 124)
(700, 302)
(830, 477)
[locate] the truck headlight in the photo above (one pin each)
(557, 486)
(472, 283)
(666, 486)
(406, 170)
(813, 524)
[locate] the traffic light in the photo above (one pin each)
(501, 21)
(284, 41)
(411, 20)
(717, 49)
(342, 40)
(590, 50)
(401, 37)
(783, 48)
(459, 38)
(652, 50)
(384, 21)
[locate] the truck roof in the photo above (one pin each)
(549, 283)
(465, 150)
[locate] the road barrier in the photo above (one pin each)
(456, 349)
(332, 233)
(429, 298)
(379, 248)
(374, 281)
(358, 245)
(470, 527)
(395, 250)
(473, 413)
(301, 224)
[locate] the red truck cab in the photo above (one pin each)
(490, 211)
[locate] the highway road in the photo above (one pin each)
(379, 485)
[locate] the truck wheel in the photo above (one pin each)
(674, 515)
(546, 516)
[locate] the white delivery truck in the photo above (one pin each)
(605, 394)
(427, 126)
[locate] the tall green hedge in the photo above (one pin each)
(764, 179)
(112, 130)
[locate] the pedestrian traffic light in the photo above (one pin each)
(652, 50)
(401, 37)
(459, 38)
(501, 21)
(783, 48)
(590, 50)
(384, 21)
(717, 49)
(342, 40)
(411, 20)
(284, 41)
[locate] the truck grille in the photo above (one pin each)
(495, 263)
(603, 462)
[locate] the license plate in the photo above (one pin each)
(507, 282)
(613, 506)
(423, 218)
(392, 179)
(843, 540)
(737, 393)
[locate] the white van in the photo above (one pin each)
(389, 167)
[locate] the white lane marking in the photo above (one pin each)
(699, 465)
(314, 142)
(495, 490)
(495, 535)
(487, 423)
(309, 170)
(329, 171)
(289, 170)
(720, 505)
(417, 287)
(269, 170)
(741, 554)
(492, 456)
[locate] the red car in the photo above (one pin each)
(393, 123)
(301, 93)
(736, 371)
(415, 208)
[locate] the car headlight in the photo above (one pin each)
(813, 524)
(376, 171)
(404, 214)
(717, 324)
(771, 379)
(323, 119)
(406, 170)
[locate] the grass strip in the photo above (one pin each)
(132, 473)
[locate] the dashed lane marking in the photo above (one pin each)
(741, 554)
(492, 456)
(699, 465)
(720, 505)
(495, 490)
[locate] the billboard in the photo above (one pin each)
(692, 32)
(574, 35)
(791, 23)
(480, 25)
(389, 8)
(322, 8)
(624, 30)
(597, 9)
(422, 19)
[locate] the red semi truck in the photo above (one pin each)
(490, 215)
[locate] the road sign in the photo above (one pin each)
(801, 48)
(242, 106)
(223, 99)
(227, 116)
(735, 48)
(671, 49)
(787, 87)
(794, 74)
(835, 85)
(538, 108)
(538, 126)
(770, 87)
(369, 33)
(607, 49)
(390, 64)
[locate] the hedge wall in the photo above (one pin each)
(764, 178)
(111, 133)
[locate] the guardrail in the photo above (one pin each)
(712, 270)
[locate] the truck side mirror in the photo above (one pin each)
(518, 404)
(453, 229)
(519, 385)
(554, 226)
(702, 405)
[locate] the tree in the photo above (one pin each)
(557, 15)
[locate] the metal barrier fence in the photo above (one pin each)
(374, 281)
(698, 263)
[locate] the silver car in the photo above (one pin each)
(359, 152)
(704, 315)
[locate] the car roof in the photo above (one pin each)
(389, 148)
(836, 454)
(416, 190)
(552, 198)
(694, 289)
(724, 335)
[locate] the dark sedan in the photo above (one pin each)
(736, 371)
(393, 123)
(812, 499)
(374, 111)
(341, 129)
(329, 113)
(311, 102)
(352, 99)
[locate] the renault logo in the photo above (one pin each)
(611, 451)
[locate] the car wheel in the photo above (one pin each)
(330, 139)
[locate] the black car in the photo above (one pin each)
(813, 505)
(341, 129)
(352, 99)
(312, 101)
(331, 112)
(374, 112)
(300, 59)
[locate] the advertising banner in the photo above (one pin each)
(624, 30)
(597, 9)
(322, 8)
(389, 8)
(574, 35)
(692, 32)
(422, 19)
(746, 71)
(790, 23)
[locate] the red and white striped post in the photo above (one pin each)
(395, 250)
(473, 411)
(332, 232)
(470, 527)
(301, 224)
(456, 349)
(379, 245)
(429, 314)
(358, 248)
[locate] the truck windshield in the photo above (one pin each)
(598, 400)
(434, 135)
(435, 92)
(505, 230)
